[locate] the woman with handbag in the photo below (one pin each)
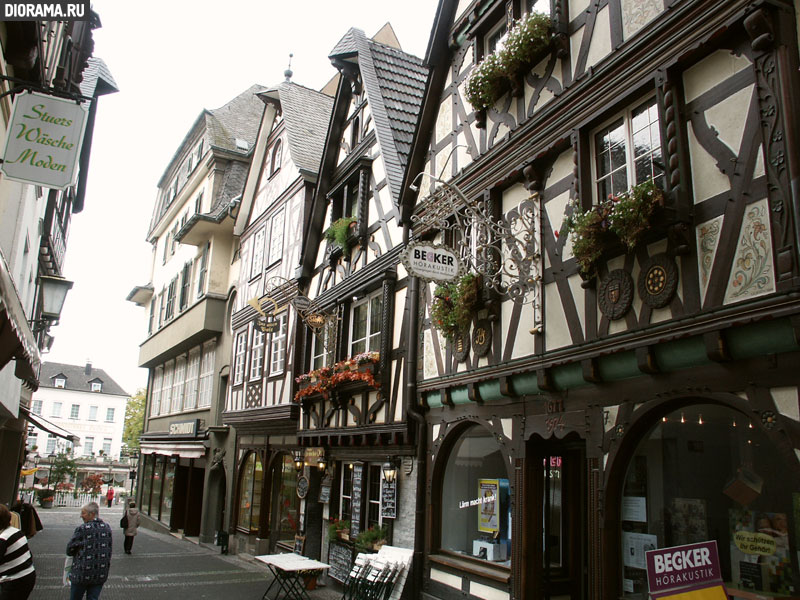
(130, 523)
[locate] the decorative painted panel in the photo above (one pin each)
(707, 242)
(752, 272)
(638, 13)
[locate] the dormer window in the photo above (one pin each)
(97, 386)
(241, 144)
(60, 382)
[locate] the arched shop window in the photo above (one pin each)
(706, 472)
(286, 500)
(252, 476)
(476, 503)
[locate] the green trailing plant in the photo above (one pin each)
(490, 78)
(453, 305)
(335, 525)
(369, 537)
(623, 218)
(339, 232)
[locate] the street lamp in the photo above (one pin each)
(51, 458)
(52, 293)
(134, 461)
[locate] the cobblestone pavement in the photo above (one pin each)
(161, 566)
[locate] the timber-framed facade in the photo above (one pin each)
(650, 402)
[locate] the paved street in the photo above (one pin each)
(161, 566)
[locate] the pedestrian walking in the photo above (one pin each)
(110, 496)
(130, 524)
(90, 549)
(17, 575)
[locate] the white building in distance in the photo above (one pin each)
(84, 401)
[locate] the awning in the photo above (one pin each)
(16, 338)
(184, 450)
(49, 427)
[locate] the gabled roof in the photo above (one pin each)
(97, 79)
(394, 82)
(77, 379)
(306, 114)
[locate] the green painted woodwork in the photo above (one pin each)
(621, 365)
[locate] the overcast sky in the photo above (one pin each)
(171, 59)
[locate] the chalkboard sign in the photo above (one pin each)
(388, 499)
(358, 479)
(299, 542)
(325, 490)
(340, 558)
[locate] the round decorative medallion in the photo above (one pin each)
(768, 419)
(658, 281)
(461, 346)
(302, 486)
(482, 337)
(615, 294)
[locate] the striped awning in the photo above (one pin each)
(16, 338)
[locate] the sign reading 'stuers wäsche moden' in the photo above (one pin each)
(44, 139)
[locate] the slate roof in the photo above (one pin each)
(97, 79)
(239, 118)
(306, 114)
(395, 84)
(77, 379)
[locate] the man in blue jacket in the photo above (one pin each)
(90, 549)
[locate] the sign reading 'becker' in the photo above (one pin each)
(431, 262)
(44, 140)
(683, 568)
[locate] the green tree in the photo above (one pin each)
(134, 419)
(63, 469)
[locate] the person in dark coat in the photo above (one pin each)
(17, 575)
(90, 549)
(133, 526)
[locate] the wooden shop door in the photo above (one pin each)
(556, 522)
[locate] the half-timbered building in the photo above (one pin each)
(271, 222)
(625, 194)
(354, 419)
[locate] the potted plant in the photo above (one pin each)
(372, 538)
(454, 304)
(46, 498)
(631, 212)
(339, 232)
(338, 529)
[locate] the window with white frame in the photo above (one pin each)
(51, 444)
(321, 348)
(169, 311)
(97, 386)
(60, 382)
(374, 478)
(277, 346)
(277, 154)
(540, 6)
(186, 284)
(155, 394)
(178, 380)
(55, 410)
(88, 445)
(192, 374)
(202, 270)
(166, 388)
(152, 320)
(110, 415)
(31, 441)
(627, 151)
(93, 413)
(346, 492)
(37, 407)
(106, 446)
(257, 264)
(74, 411)
(239, 358)
(365, 324)
(276, 238)
(494, 38)
(207, 374)
(257, 354)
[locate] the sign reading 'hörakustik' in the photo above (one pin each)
(44, 140)
(432, 262)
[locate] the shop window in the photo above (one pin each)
(168, 490)
(628, 151)
(374, 479)
(365, 324)
(287, 502)
(705, 472)
(476, 503)
(250, 485)
(158, 480)
(147, 482)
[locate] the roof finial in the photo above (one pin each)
(288, 72)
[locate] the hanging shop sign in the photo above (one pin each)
(184, 428)
(432, 262)
(43, 142)
(690, 572)
(313, 456)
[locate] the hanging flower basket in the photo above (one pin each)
(454, 304)
(359, 368)
(339, 232)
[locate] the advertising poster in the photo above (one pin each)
(689, 572)
(761, 539)
(635, 545)
(489, 510)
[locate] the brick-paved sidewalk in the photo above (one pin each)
(161, 566)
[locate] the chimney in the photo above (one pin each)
(88, 369)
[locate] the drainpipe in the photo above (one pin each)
(414, 412)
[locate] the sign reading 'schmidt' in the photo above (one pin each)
(44, 140)
(432, 262)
